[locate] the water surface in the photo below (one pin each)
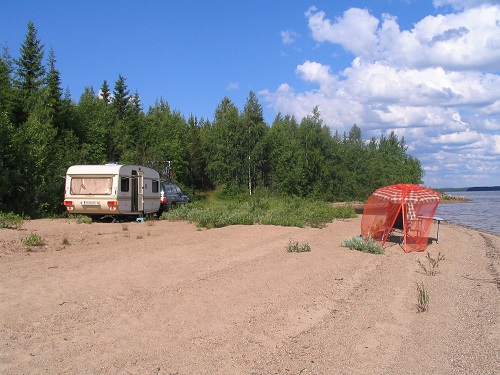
(482, 211)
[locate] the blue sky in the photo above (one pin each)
(427, 70)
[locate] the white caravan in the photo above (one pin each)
(112, 189)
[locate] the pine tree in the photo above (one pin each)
(30, 73)
(105, 93)
(54, 92)
(121, 97)
(120, 104)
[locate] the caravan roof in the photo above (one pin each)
(111, 169)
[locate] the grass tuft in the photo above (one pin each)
(11, 220)
(422, 297)
(33, 240)
(295, 247)
(366, 245)
(432, 264)
(83, 219)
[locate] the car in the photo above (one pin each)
(171, 195)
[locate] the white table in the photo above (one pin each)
(438, 219)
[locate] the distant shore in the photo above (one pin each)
(453, 199)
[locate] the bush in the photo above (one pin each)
(366, 245)
(11, 220)
(246, 210)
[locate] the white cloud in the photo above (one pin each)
(435, 84)
(462, 4)
(288, 37)
(469, 40)
(462, 138)
(316, 73)
(355, 31)
(233, 86)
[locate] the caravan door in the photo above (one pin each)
(137, 191)
(140, 191)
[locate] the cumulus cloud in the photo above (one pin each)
(355, 31)
(469, 40)
(435, 84)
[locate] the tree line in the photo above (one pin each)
(43, 132)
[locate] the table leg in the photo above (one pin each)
(437, 239)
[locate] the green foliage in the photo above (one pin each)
(422, 297)
(11, 220)
(366, 245)
(432, 264)
(245, 210)
(295, 247)
(33, 240)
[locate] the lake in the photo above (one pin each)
(482, 211)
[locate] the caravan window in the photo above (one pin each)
(124, 184)
(156, 185)
(91, 185)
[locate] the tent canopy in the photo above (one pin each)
(407, 207)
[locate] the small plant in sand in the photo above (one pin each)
(432, 264)
(33, 240)
(422, 297)
(124, 227)
(295, 247)
(65, 241)
(366, 245)
(10, 220)
(83, 219)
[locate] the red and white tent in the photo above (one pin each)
(407, 207)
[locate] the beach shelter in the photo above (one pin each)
(405, 207)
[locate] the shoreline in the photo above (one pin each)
(448, 222)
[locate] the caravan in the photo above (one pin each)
(112, 189)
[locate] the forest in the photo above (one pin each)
(43, 132)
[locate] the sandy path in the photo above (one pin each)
(170, 299)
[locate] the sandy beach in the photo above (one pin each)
(168, 298)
